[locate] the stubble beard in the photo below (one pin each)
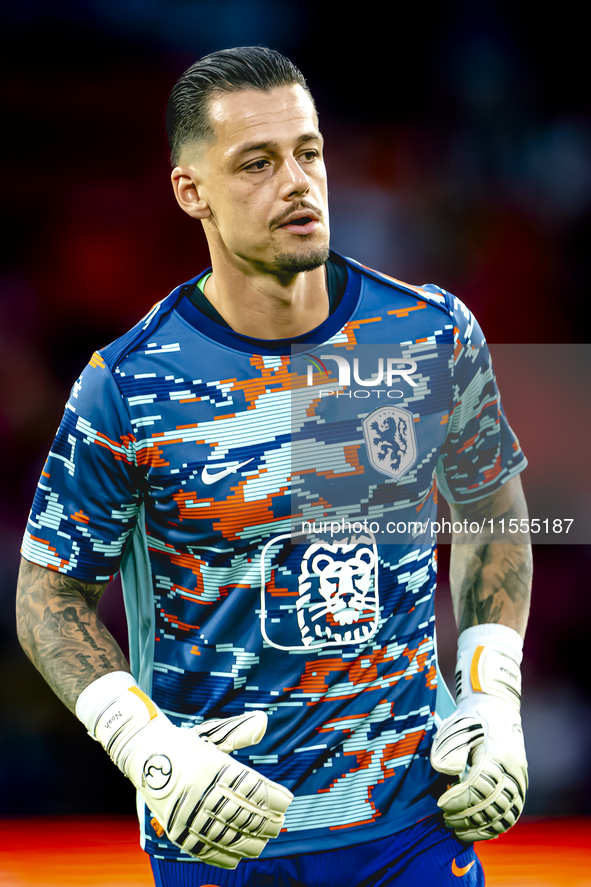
(294, 263)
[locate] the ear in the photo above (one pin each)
(186, 187)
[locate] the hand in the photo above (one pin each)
(485, 735)
(229, 734)
(208, 803)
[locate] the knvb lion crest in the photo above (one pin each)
(390, 440)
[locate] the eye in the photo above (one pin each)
(308, 156)
(257, 165)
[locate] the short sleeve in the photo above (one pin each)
(480, 452)
(89, 494)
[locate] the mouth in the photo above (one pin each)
(301, 223)
(362, 633)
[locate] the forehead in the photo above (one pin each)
(254, 115)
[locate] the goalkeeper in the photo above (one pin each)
(278, 714)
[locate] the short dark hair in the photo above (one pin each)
(244, 67)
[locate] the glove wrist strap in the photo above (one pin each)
(488, 662)
(113, 710)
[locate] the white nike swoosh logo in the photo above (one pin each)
(229, 468)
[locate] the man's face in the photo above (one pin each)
(264, 180)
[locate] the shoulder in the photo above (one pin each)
(429, 292)
(116, 351)
(465, 325)
(100, 382)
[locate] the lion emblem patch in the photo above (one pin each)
(338, 594)
(391, 440)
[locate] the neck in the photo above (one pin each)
(266, 306)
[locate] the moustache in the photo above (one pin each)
(295, 207)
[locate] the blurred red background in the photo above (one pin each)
(458, 151)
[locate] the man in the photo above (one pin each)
(281, 697)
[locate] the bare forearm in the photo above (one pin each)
(60, 632)
(491, 583)
(491, 577)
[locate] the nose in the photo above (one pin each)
(294, 179)
(346, 588)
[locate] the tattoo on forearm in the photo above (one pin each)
(491, 583)
(490, 577)
(60, 632)
(70, 615)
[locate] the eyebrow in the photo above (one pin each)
(273, 146)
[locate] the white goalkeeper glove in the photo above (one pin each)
(208, 803)
(482, 741)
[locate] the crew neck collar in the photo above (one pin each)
(230, 339)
